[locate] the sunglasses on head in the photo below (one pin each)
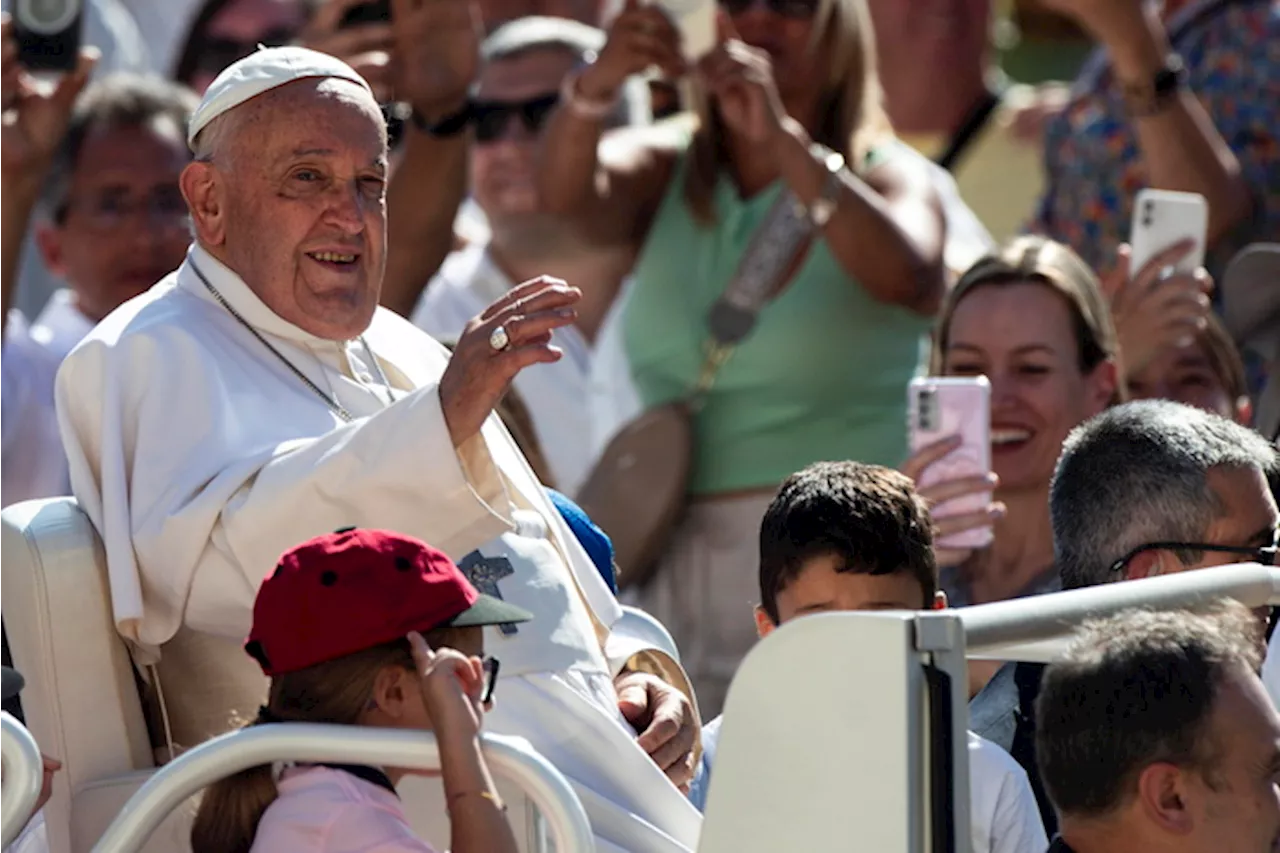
(490, 118)
(794, 9)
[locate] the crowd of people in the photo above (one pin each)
(460, 275)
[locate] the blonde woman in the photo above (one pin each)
(788, 102)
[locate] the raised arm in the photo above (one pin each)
(1181, 148)
(886, 229)
(571, 181)
(211, 505)
(435, 61)
(34, 123)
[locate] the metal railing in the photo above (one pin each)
(224, 756)
(1036, 628)
(23, 776)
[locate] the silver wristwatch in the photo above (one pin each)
(824, 206)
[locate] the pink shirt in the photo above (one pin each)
(323, 810)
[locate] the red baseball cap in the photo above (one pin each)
(356, 589)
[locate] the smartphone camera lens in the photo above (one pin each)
(1146, 214)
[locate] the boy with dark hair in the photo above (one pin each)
(848, 536)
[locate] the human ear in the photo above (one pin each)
(1102, 383)
(49, 242)
(764, 625)
(203, 190)
(1167, 798)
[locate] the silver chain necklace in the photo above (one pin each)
(332, 402)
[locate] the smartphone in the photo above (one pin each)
(375, 12)
(1162, 218)
(48, 34)
(696, 20)
(941, 407)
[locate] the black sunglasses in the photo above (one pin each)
(490, 117)
(794, 9)
(1263, 554)
(491, 666)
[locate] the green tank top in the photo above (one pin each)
(822, 376)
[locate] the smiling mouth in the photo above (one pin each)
(1009, 437)
(338, 259)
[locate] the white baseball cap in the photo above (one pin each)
(266, 69)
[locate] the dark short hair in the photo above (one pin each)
(1138, 473)
(1134, 690)
(868, 516)
(117, 100)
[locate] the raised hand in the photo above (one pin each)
(436, 54)
(479, 373)
(641, 37)
(366, 48)
(1156, 309)
(942, 491)
(452, 684)
(740, 79)
(34, 119)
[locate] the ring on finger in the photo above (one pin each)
(499, 339)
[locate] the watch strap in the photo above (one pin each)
(1150, 97)
(448, 126)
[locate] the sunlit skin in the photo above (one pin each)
(297, 206)
(1186, 375)
(1021, 337)
(113, 242)
(821, 587)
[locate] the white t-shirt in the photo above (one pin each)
(1004, 817)
(567, 400)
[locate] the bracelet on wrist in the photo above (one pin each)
(460, 795)
(579, 105)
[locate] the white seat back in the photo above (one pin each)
(80, 700)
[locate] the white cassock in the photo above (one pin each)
(200, 457)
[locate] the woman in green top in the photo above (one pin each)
(823, 375)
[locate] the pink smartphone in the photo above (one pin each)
(941, 407)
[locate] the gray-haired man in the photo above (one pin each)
(1147, 488)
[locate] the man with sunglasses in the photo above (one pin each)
(1144, 489)
(524, 64)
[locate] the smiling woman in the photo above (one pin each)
(1033, 320)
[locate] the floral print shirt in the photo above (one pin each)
(1093, 165)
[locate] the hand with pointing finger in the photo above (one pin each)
(512, 334)
(664, 721)
(740, 78)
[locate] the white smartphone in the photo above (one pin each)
(1162, 218)
(941, 407)
(696, 20)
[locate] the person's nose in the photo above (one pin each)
(347, 207)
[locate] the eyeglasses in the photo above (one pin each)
(1263, 554)
(112, 210)
(490, 118)
(794, 9)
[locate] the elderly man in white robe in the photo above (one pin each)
(258, 397)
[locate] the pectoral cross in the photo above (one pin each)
(484, 574)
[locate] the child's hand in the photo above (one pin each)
(51, 766)
(452, 685)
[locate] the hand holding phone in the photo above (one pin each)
(950, 439)
(1161, 219)
(48, 34)
(36, 115)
